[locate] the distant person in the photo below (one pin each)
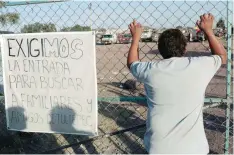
(175, 89)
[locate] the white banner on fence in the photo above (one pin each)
(50, 83)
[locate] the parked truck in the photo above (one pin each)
(109, 39)
(146, 35)
(124, 38)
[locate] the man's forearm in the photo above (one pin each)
(133, 54)
(216, 47)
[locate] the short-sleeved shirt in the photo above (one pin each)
(175, 92)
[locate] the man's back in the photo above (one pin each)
(175, 90)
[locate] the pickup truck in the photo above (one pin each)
(124, 38)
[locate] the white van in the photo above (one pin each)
(147, 35)
(109, 39)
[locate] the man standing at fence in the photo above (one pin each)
(175, 89)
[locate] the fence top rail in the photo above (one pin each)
(15, 3)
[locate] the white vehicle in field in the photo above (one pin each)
(109, 39)
(147, 35)
(196, 36)
(155, 36)
(98, 38)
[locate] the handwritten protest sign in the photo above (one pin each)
(50, 82)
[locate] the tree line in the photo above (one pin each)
(50, 27)
(12, 18)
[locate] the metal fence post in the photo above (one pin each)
(229, 76)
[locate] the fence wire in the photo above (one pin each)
(122, 106)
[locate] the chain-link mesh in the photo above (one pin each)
(122, 105)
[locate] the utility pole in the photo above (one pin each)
(90, 17)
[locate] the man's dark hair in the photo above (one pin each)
(172, 43)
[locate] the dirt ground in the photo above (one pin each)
(115, 116)
(111, 65)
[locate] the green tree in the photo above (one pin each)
(38, 27)
(8, 18)
(221, 23)
(76, 28)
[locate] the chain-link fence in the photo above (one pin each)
(122, 104)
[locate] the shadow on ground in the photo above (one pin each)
(16, 142)
(68, 126)
(125, 116)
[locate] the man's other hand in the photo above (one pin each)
(206, 23)
(136, 30)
